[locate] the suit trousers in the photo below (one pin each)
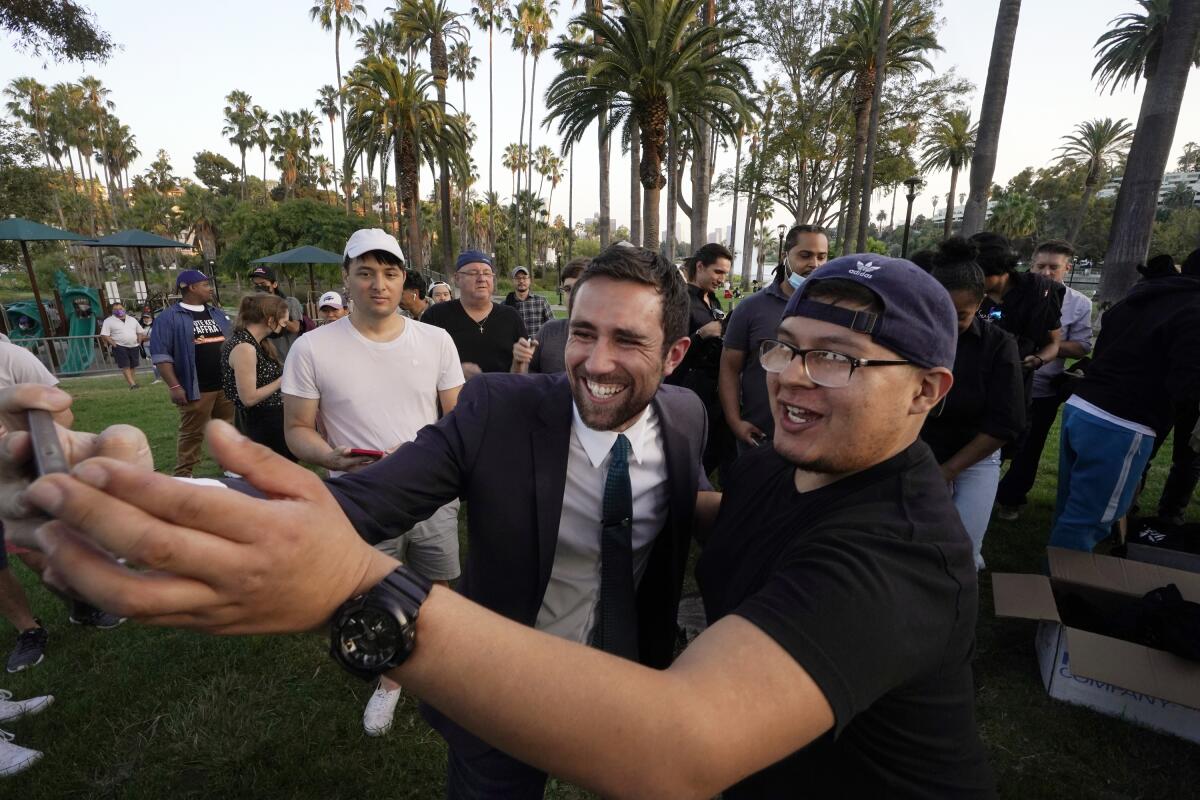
(490, 774)
(193, 417)
(1022, 471)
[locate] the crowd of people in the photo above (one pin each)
(856, 414)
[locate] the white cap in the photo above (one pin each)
(368, 239)
(331, 300)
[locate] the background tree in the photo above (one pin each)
(488, 15)
(64, 29)
(1163, 50)
(334, 15)
(949, 146)
(239, 126)
(1097, 143)
(657, 63)
(991, 116)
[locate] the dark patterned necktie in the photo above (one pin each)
(615, 629)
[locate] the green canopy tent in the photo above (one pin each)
(303, 255)
(15, 229)
(138, 241)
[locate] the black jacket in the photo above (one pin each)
(1148, 352)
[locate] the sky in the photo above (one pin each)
(178, 60)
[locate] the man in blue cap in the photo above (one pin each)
(185, 345)
(483, 331)
(839, 581)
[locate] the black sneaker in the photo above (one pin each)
(30, 649)
(92, 617)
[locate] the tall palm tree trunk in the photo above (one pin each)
(571, 206)
(863, 93)
(337, 60)
(987, 140)
(737, 180)
(868, 180)
(333, 154)
(1137, 200)
(529, 166)
(949, 224)
(1089, 189)
(673, 178)
(635, 183)
(604, 228)
(491, 138)
(654, 139)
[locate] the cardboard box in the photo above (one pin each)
(1122, 679)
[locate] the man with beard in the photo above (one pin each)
(839, 579)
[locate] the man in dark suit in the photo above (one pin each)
(533, 456)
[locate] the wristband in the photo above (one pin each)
(176, 386)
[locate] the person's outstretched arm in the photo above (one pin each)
(224, 562)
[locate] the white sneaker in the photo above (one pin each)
(14, 758)
(15, 709)
(377, 718)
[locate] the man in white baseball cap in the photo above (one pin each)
(374, 379)
(332, 306)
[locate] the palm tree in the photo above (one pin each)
(309, 127)
(851, 56)
(431, 23)
(238, 126)
(596, 9)
(199, 210)
(488, 15)
(1163, 48)
(327, 104)
(653, 61)
(30, 104)
(1015, 215)
(514, 162)
(418, 131)
(287, 148)
(323, 171)
(378, 39)
(991, 115)
(96, 107)
(462, 68)
(260, 119)
(537, 17)
(334, 15)
(1099, 143)
(949, 145)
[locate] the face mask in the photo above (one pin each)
(796, 280)
(119, 314)
(262, 289)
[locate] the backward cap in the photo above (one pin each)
(918, 322)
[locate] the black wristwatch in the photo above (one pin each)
(376, 631)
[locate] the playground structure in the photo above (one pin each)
(73, 330)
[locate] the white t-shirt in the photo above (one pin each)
(374, 395)
(123, 332)
(18, 365)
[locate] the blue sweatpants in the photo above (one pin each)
(1099, 465)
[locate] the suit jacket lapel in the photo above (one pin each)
(680, 474)
(551, 443)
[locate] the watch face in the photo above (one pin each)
(369, 638)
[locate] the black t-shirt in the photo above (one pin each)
(702, 363)
(208, 338)
(1031, 310)
(870, 585)
(488, 343)
(988, 395)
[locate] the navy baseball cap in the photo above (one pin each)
(918, 322)
(473, 257)
(190, 276)
(263, 271)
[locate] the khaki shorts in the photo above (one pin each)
(431, 547)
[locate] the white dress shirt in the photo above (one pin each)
(569, 604)
(1076, 327)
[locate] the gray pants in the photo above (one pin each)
(430, 547)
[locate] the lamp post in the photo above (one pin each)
(914, 183)
(782, 230)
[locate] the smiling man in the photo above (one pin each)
(839, 579)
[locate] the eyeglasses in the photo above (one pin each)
(823, 367)
(476, 273)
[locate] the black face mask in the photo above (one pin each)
(262, 289)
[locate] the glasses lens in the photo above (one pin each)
(774, 357)
(826, 368)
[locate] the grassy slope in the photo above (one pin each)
(145, 713)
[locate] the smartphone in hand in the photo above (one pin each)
(48, 454)
(375, 454)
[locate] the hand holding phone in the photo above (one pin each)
(376, 454)
(48, 453)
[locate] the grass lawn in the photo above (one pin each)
(146, 713)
